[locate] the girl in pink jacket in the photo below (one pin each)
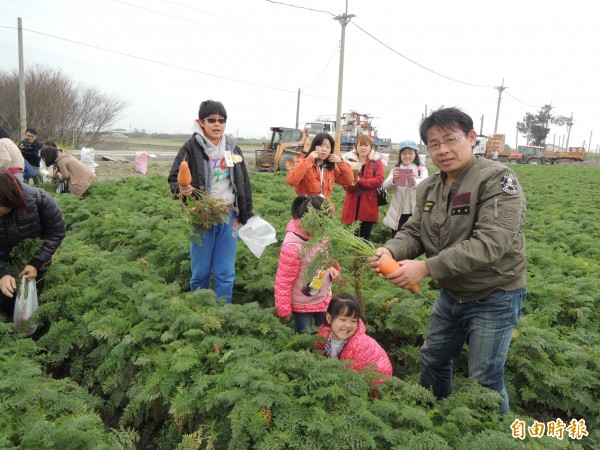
(346, 338)
(293, 297)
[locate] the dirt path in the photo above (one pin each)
(112, 170)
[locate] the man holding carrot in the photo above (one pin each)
(468, 221)
(216, 165)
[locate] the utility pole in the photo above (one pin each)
(500, 89)
(343, 20)
(548, 121)
(517, 138)
(298, 109)
(590, 142)
(570, 124)
(423, 117)
(23, 106)
(481, 126)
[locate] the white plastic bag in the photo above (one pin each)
(257, 234)
(25, 306)
(86, 156)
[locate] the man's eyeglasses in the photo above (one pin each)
(213, 120)
(450, 143)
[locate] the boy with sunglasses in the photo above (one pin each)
(217, 167)
(468, 220)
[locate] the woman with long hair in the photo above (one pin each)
(361, 195)
(26, 212)
(71, 171)
(317, 170)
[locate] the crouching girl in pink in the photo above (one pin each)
(346, 337)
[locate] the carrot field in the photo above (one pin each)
(126, 357)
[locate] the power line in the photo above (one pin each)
(301, 7)
(526, 104)
(322, 71)
(202, 11)
(418, 64)
(165, 64)
(403, 56)
(169, 15)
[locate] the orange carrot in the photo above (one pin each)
(184, 177)
(387, 265)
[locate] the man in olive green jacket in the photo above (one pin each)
(468, 221)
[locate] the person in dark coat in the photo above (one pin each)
(30, 148)
(26, 212)
(217, 166)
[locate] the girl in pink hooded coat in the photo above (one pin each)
(346, 338)
(304, 302)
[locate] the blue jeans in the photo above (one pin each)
(304, 321)
(485, 325)
(216, 253)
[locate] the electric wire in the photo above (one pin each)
(379, 41)
(300, 7)
(335, 50)
(153, 61)
(169, 15)
(418, 64)
(202, 11)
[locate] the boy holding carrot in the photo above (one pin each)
(216, 166)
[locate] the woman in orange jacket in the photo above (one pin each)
(316, 171)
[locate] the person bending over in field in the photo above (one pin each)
(26, 212)
(73, 176)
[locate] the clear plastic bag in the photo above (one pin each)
(257, 234)
(25, 306)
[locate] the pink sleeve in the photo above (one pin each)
(366, 351)
(287, 271)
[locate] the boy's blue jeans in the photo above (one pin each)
(217, 254)
(485, 325)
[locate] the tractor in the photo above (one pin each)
(529, 154)
(282, 151)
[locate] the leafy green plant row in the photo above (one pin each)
(167, 368)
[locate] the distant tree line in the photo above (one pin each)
(59, 109)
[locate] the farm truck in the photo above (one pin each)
(496, 142)
(353, 124)
(287, 144)
(532, 154)
(480, 145)
(573, 154)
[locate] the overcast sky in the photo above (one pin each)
(164, 57)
